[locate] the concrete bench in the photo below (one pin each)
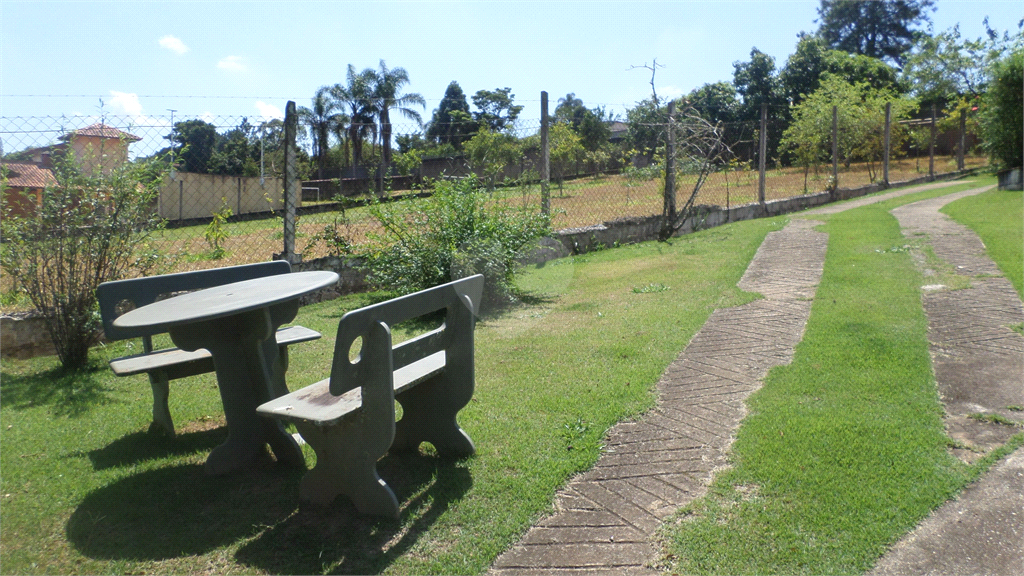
(162, 366)
(349, 418)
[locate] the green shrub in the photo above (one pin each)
(91, 228)
(457, 232)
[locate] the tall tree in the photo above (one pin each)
(194, 142)
(880, 29)
(813, 59)
(588, 124)
(323, 118)
(715, 102)
(386, 92)
(757, 83)
(451, 123)
(357, 94)
(497, 111)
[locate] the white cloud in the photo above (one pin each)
(269, 111)
(208, 117)
(125, 104)
(671, 92)
(174, 44)
(231, 63)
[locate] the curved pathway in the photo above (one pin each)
(979, 369)
(605, 519)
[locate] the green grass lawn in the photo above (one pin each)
(85, 489)
(844, 450)
(997, 216)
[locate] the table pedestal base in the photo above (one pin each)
(249, 373)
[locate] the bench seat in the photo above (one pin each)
(315, 404)
(178, 363)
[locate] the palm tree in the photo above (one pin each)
(322, 118)
(387, 84)
(357, 94)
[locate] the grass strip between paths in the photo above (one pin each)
(997, 217)
(844, 450)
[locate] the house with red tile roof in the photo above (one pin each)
(95, 148)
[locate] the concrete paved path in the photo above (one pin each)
(605, 519)
(979, 369)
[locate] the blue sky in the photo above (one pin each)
(248, 58)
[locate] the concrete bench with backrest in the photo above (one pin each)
(349, 418)
(162, 366)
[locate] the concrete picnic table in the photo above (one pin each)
(236, 323)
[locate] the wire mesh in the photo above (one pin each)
(221, 197)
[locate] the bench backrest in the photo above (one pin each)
(139, 292)
(460, 300)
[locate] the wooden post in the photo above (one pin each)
(238, 204)
(885, 144)
(963, 140)
(291, 182)
(545, 158)
(931, 147)
(835, 148)
(668, 212)
(762, 151)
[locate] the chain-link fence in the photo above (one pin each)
(222, 194)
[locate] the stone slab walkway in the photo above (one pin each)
(979, 369)
(606, 517)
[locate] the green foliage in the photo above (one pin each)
(715, 102)
(647, 121)
(491, 152)
(945, 66)
(457, 232)
(91, 228)
(566, 151)
(997, 217)
(1001, 111)
(497, 112)
(448, 127)
(880, 29)
(215, 233)
(861, 121)
(590, 125)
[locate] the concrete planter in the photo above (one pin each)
(1010, 179)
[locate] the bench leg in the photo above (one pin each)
(162, 422)
(428, 415)
(346, 463)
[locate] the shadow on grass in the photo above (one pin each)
(338, 540)
(179, 511)
(69, 393)
(139, 447)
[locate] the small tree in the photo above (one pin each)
(491, 153)
(91, 228)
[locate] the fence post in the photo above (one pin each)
(963, 140)
(545, 157)
(885, 144)
(835, 148)
(762, 150)
(291, 183)
(668, 212)
(931, 147)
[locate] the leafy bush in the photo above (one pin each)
(457, 232)
(91, 228)
(1001, 111)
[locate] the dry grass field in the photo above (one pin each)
(577, 203)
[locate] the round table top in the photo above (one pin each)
(226, 300)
